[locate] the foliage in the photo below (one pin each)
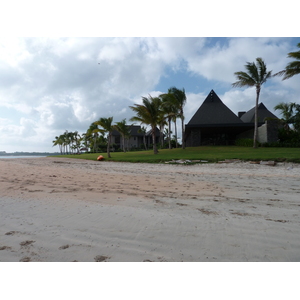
(107, 126)
(256, 75)
(292, 68)
(148, 113)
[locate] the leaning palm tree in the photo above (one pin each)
(106, 124)
(180, 98)
(148, 113)
(292, 68)
(59, 140)
(93, 132)
(256, 75)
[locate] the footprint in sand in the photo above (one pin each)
(25, 259)
(64, 247)
(26, 243)
(5, 248)
(100, 258)
(12, 232)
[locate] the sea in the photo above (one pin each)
(20, 156)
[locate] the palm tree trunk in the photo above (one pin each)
(176, 134)
(144, 140)
(153, 141)
(256, 118)
(108, 145)
(182, 132)
(123, 141)
(169, 133)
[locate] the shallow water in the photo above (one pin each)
(21, 156)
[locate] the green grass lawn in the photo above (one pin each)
(211, 154)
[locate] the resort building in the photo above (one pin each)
(215, 124)
(136, 139)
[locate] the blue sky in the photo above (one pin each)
(52, 84)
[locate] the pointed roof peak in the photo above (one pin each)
(213, 111)
(261, 105)
(212, 97)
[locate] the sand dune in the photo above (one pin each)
(62, 210)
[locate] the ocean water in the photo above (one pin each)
(21, 156)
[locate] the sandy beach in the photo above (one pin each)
(65, 210)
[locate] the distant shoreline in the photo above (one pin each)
(28, 154)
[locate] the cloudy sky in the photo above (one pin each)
(51, 84)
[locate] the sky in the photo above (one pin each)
(50, 83)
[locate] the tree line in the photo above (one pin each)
(168, 107)
(154, 112)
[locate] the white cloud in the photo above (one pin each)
(49, 85)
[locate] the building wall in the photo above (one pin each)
(267, 133)
(194, 138)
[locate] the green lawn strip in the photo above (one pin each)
(207, 153)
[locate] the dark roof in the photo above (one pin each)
(214, 111)
(133, 131)
(157, 132)
(263, 113)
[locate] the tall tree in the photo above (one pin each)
(122, 128)
(256, 75)
(287, 112)
(108, 127)
(148, 113)
(93, 132)
(180, 97)
(143, 130)
(170, 109)
(59, 140)
(292, 68)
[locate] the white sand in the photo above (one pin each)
(63, 210)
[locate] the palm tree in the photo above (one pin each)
(59, 141)
(148, 114)
(93, 133)
(122, 128)
(106, 124)
(143, 130)
(292, 68)
(169, 108)
(256, 76)
(287, 112)
(180, 98)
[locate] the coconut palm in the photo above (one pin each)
(93, 132)
(148, 113)
(59, 140)
(180, 98)
(292, 68)
(143, 130)
(169, 108)
(108, 127)
(256, 75)
(287, 112)
(122, 128)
